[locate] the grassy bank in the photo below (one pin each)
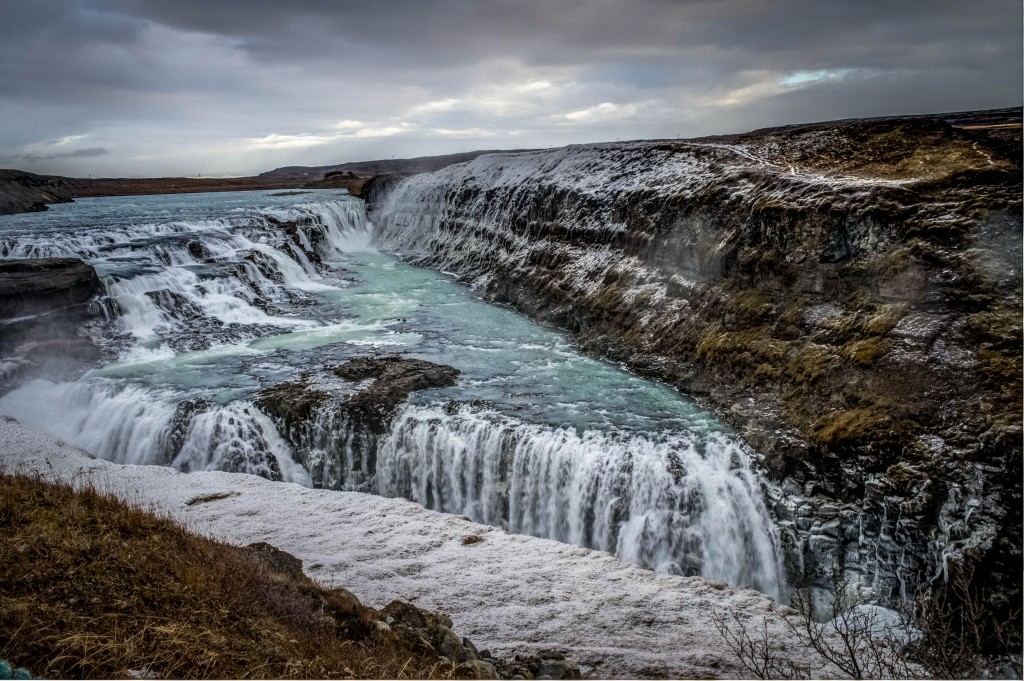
(93, 587)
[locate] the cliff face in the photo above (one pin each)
(848, 295)
(22, 192)
(47, 306)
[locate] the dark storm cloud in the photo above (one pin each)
(92, 152)
(169, 86)
(542, 32)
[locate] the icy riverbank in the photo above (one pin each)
(509, 593)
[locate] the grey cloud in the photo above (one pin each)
(170, 86)
(91, 152)
(540, 31)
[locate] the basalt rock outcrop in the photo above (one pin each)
(46, 308)
(47, 286)
(22, 192)
(336, 428)
(847, 295)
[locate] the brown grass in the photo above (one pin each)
(92, 587)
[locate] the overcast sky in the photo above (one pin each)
(168, 87)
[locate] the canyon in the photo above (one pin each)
(789, 358)
(847, 295)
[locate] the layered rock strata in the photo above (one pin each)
(847, 295)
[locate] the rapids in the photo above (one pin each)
(222, 295)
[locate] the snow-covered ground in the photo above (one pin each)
(508, 593)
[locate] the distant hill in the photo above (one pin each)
(420, 164)
(22, 192)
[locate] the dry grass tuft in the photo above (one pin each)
(91, 586)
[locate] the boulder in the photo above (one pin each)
(336, 436)
(394, 378)
(280, 562)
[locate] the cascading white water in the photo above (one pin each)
(120, 423)
(238, 437)
(135, 425)
(190, 284)
(670, 503)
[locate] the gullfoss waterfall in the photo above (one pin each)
(223, 296)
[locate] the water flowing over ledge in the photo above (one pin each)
(669, 503)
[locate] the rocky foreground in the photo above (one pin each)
(848, 295)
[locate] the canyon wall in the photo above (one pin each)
(847, 295)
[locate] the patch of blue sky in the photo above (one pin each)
(804, 77)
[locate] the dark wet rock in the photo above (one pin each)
(292, 401)
(46, 286)
(291, 228)
(198, 250)
(191, 333)
(847, 295)
(177, 428)
(174, 304)
(266, 266)
(394, 378)
(48, 307)
(336, 433)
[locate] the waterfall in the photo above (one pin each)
(213, 310)
(670, 503)
(128, 423)
(212, 281)
(188, 286)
